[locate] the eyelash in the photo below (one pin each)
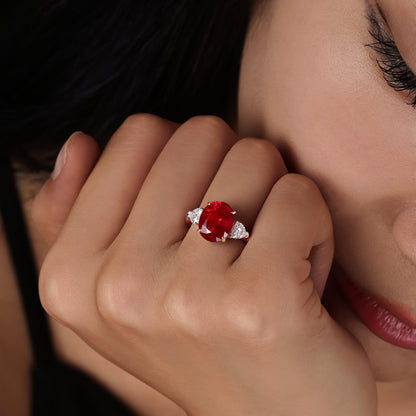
(395, 70)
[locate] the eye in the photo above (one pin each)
(395, 70)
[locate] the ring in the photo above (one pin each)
(216, 222)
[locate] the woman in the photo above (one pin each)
(202, 328)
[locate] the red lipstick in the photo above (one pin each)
(390, 323)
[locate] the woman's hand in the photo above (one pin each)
(221, 329)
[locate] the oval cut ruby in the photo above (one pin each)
(216, 221)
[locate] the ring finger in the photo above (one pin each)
(244, 180)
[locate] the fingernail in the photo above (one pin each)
(61, 159)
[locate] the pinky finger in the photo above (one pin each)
(292, 238)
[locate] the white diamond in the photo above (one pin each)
(239, 231)
(195, 215)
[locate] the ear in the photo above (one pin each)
(53, 203)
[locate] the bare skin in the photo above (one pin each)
(177, 340)
(311, 86)
(264, 339)
(314, 91)
(16, 356)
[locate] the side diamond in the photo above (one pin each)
(239, 231)
(194, 215)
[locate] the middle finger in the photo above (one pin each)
(177, 182)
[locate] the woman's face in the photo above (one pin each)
(311, 85)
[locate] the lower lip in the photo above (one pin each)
(377, 318)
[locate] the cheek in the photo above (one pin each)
(324, 101)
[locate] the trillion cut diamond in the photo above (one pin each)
(238, 232)
(195, 215)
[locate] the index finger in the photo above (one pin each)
(108, 195)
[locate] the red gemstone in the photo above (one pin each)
(216, 221)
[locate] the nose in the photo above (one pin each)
(404, 232)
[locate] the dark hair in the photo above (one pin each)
(81, 65)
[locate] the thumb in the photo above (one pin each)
(52, 204)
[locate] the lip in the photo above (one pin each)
(389, 322)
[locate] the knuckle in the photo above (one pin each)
(311, 307)
(145, 126)
(178, 305)
(250, 325)
(212, 127)
(142, 131)
(205, 135)
(121, 301)
(56, 290)
(256, 151)
(299, 184)
(187, 305)
(184, 310)
(247, 317)
(301, 197)
(214, 123)
(142, 121)
(110, 300)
